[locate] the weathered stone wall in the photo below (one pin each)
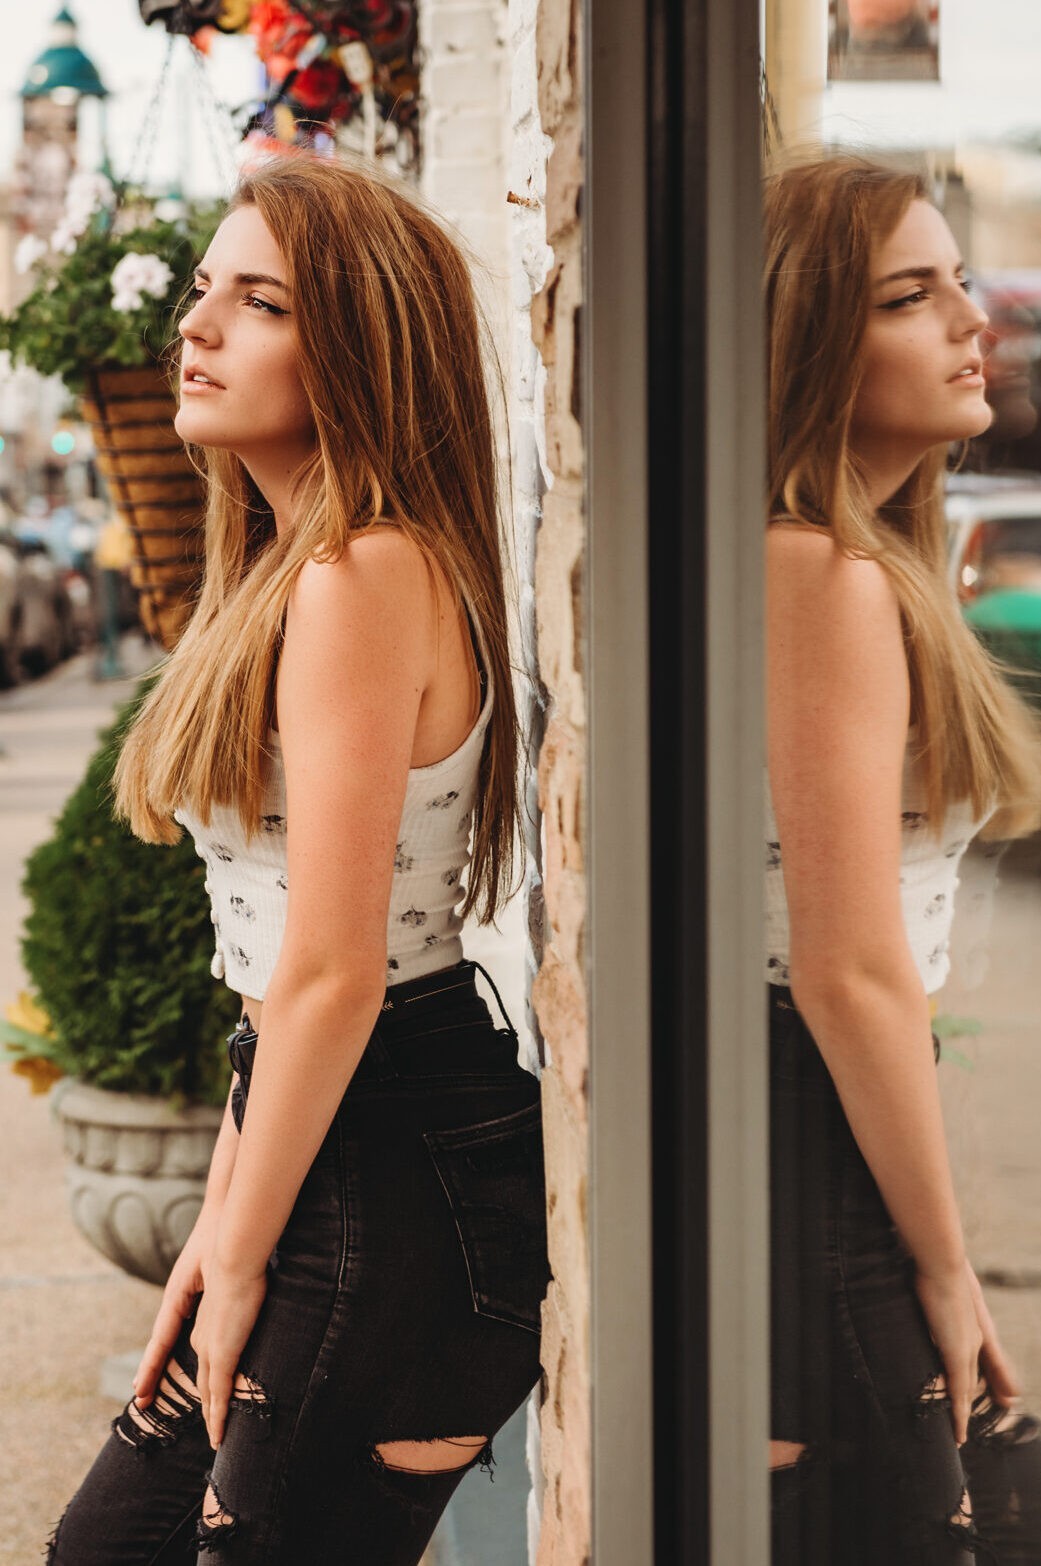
(560, 986)
(519, 60)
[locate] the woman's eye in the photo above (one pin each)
(907, 299)
(968, 283)
(195, 293)
(262, 304)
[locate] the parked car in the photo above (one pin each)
(994, 564)
(10, 617)
(69, 541)
(37, 626)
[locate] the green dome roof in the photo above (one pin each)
(63, 67)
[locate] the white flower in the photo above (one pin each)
(63, 240)
(134, 275)
(84, 195)
(29, 249)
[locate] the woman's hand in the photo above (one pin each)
(227, 1313)
(997, 1370)
(186, 1282)
(950, 1311)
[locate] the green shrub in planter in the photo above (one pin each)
(117, 945)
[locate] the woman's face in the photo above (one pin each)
(922, 382)
(240, 383)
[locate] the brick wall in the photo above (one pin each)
(560, 986)
(463, 59)
(503, 160)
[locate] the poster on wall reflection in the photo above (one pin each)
(883, 40)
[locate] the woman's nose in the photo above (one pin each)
(197, 325)
(976, 318)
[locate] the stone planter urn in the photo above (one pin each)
(136, 1173)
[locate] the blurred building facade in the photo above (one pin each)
(57, 82)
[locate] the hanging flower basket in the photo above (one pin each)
(100, 314)
(155, 487)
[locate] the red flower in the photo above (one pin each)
(317, 87)
(280, 34)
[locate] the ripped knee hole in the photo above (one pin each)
(786, 1454)
(177, 1399)
(989, 1420)
(442, 1455)
(217, 1523)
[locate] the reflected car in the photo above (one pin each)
(994, 566)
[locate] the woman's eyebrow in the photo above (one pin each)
(246, 277)
(924, 274)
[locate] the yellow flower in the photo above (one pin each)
(27, 1013)
(41, 1074)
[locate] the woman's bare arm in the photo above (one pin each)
(838, 709)
(838, 704)
(359, 651)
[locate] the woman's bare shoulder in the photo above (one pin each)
(806, 563)
(381, 563)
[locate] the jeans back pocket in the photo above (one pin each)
(494, 1179)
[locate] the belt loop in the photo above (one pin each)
(495, 991)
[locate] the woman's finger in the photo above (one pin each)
(202, 1383)
(157, 1352)
(217, 1405)
(961, 1387)
(1001, 1378)
(960, 1407)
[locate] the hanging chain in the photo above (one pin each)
(223, 141)
(773, 140)
(141, 156)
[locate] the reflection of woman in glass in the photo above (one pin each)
(356, 1311)
(895, 1435)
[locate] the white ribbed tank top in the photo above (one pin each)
(247, 878)
(928, 879)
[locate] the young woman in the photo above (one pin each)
(892, 740)
(356, 1311)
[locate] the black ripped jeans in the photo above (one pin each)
(403, 1305)
(881, 1481)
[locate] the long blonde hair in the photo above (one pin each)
(390, 357)
(977, 739)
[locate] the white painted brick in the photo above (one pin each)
(465, 30)
(486, 237)
(465, 138)
(468, 187)
(453, 83)
(524, 88)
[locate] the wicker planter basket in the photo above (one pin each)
(144, 462)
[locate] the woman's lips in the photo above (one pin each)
(197, 388)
